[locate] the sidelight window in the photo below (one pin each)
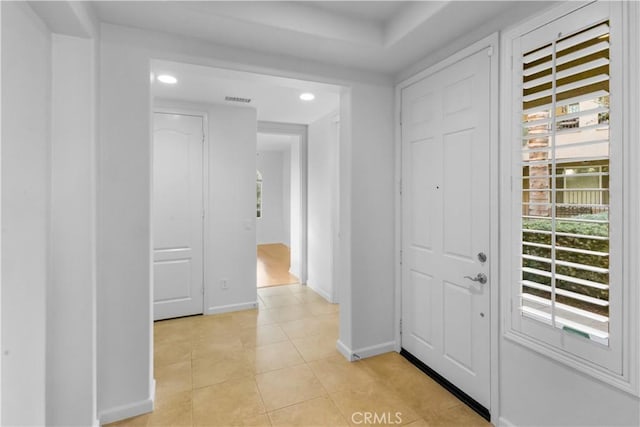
(569, 269)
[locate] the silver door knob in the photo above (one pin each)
(481, 277)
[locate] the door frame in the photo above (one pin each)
(277, 128)
(491, 45)
(165, 108)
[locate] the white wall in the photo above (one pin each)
(286, 196)
(295, 211)
(124, 297)
(270, 226)
(230, 223)
(124, 282)
(71, 291)
(322, 169)
(26, 161)
(530, 381)
(366, 246)
(231, 252)
(1, 346)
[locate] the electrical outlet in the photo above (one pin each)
(224, 284)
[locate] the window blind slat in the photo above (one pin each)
(564, 278)
(589, 50)
(541, 93)
(566, 293)
(538, 54)
(529, 109)
(590, 34)
(566, 249)
(564, 307)
(567, 264)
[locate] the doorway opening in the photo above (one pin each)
(258, 130)
(281, 195)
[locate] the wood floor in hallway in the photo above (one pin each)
(274, 261)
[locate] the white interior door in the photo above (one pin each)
(445, 222)
(177, 215)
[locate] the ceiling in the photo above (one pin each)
(384, 37)
(376, 36)
(276, 99)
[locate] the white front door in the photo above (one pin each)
(445, 222)
(177, 215)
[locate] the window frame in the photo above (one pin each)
(614, 364)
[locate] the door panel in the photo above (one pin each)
(177, 215)
(445, 222)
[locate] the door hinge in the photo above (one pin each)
(400, 257)
(202, 213)
(400, 186)
(401, 326)
(490, 51)
(400, 117)
(512, 62)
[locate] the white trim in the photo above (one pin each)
(629, 380)
(344, 350)
(126, 411)
(301, 132)
(374, 350)
(397, 330)
(93, 324)
(632, 59)
(491, 44)
(219, 309)
(365, 352)
(324, 294)
(503, 422)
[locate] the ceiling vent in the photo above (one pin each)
(236, 99)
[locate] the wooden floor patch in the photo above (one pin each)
(273, 265)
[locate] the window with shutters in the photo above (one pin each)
(565, 156)
(568, 192)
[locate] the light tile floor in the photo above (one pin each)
(278, 366)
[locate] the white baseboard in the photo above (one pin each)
(344, 350)
(126, 411)
(231, 307)
(375, 350)
(324, 294)
(363, 353)
(503, 422)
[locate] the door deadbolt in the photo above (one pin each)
(482, 257)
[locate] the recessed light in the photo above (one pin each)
(307, 96)
(166, 78)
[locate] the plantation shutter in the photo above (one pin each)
(565, 147)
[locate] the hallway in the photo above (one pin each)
(273, 265)
(279, 366)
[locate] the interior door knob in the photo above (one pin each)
(481, 277)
